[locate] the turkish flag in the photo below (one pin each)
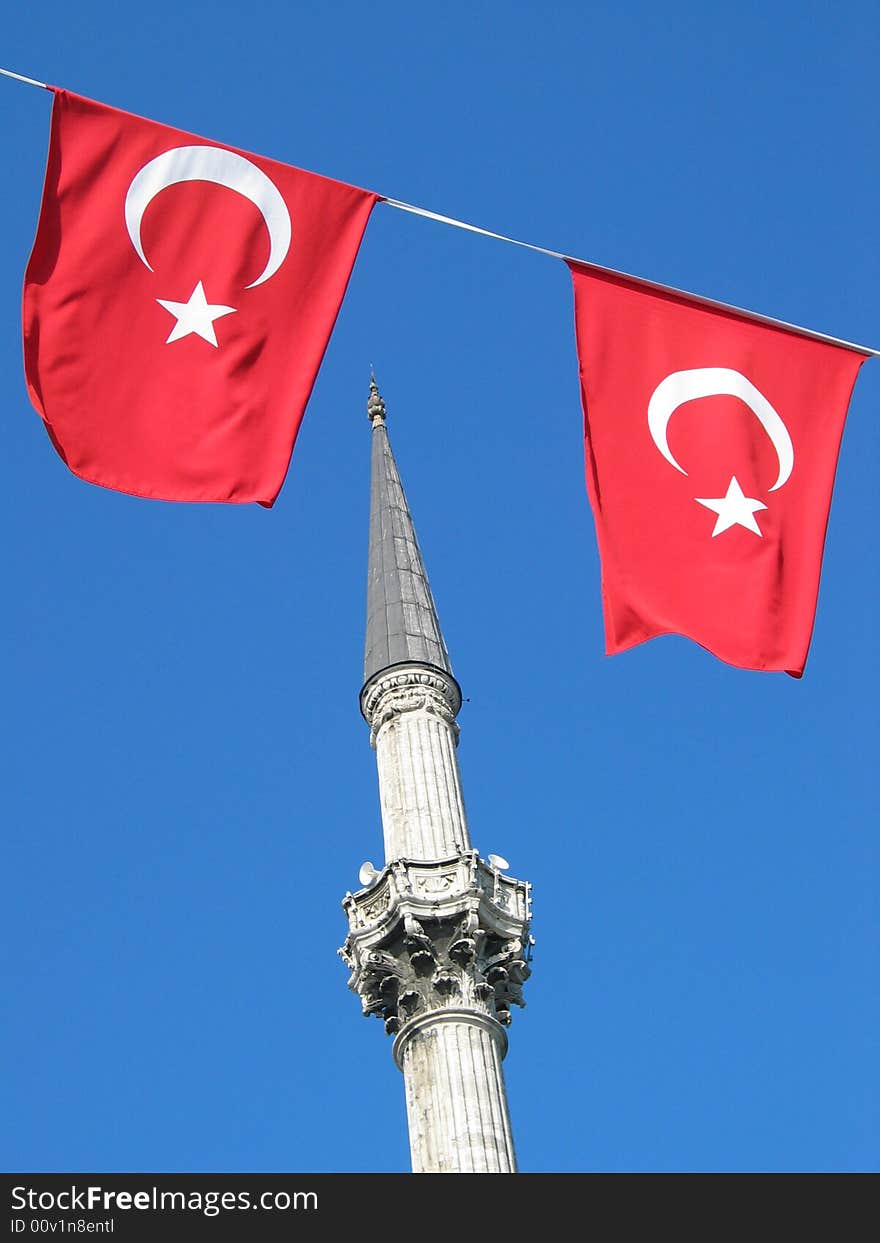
(177, 304)
(711, 445)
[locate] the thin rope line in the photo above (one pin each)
(555, 254)
(640, 280)
(19, 77)
(473, 228)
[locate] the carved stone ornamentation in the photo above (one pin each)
(427, 936)
(410, 689)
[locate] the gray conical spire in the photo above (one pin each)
(402, 623)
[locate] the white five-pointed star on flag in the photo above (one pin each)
(733, 510)
(195, 316)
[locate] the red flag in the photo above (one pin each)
(711, 446)
(177, 304)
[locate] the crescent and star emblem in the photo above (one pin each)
(734, 508)
(223, 168)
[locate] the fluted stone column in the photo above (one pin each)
(414, 732)
(456, 1102)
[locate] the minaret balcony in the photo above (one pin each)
(426, 936)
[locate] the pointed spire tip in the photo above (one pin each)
(375, 404)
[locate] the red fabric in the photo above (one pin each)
(180, 420)
(749, 598)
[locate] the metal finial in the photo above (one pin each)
(375, 405)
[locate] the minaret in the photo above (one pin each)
(438, 941)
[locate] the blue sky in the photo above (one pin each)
(187, 785)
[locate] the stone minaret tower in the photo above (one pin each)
(438, 941)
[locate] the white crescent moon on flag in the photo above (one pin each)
(684, 386)
(224, 168)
